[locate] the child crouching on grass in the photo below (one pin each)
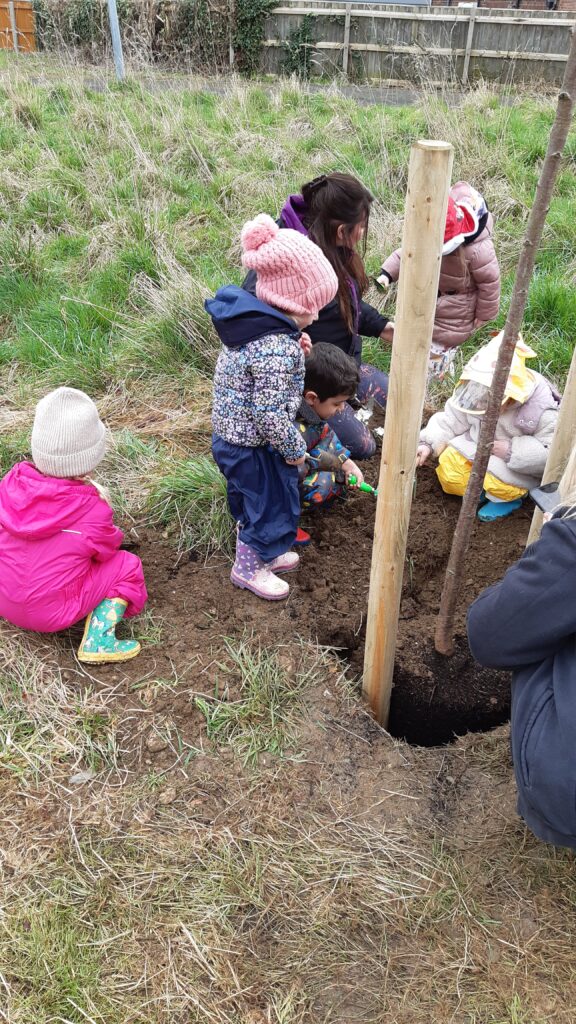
(524, 431)
(330, 381)
(257, 391)
(59, 552)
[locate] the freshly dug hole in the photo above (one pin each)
(448, 698)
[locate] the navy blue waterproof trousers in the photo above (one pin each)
(262, 494)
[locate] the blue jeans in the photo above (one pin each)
(356, 436)
(263, 496)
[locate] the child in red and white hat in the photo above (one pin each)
(469, 285)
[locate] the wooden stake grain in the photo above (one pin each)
(424, 222)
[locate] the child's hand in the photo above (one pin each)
(383, 281)
(296, 462)
(351, 469)
(388, 332)
(501, 449)
(546, 517)
(305, 343)
(423, 453)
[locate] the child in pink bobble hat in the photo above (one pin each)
(258, 386)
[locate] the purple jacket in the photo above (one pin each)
(330, 325)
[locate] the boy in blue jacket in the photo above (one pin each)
(527, 623)
(258, 386)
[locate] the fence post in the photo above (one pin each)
(116, 40)
(423, 235)
(471, 21)
(346, 51)
(13, 25)
(561, 445)
(232, 16)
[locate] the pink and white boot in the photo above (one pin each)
(249, 572)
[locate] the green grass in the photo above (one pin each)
(257, 695)
(191, 497)
(293, 876)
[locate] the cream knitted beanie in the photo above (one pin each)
(68, 436)
(292, 273)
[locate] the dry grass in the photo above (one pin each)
(284, 869)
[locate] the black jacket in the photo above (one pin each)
(527, 623)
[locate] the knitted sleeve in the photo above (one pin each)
(275, 366)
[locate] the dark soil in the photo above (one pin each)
(434, 698)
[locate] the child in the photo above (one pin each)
(469, 285)
(257, 390)
(527, 623)
(523, 434)
(334, 212)
(330, 380)
(58, 544)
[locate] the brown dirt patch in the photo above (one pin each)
(433, 699)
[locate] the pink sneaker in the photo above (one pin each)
(284, 563)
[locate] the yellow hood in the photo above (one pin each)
(521, 380)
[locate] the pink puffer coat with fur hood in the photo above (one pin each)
(469, 292)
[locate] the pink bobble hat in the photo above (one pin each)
(292, 273)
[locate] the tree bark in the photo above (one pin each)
(444, 638)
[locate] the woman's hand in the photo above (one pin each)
(305, 343)
(383, 281)
(296, 462)
(423, 454)
(388, 332)
(351, 469)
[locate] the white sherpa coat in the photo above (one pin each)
(528, 452)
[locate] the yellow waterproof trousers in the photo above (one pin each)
(453, 473)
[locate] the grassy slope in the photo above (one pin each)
(120, 212)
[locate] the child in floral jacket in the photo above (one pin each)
(257, 390)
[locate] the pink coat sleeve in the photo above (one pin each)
(392, 265)
(102, 537)
(485, 272)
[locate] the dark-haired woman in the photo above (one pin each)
(333, 210)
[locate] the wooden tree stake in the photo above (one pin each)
(444, 639)
(562, 443)
(424, 222)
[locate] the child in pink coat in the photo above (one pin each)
(469, 285)
(59, 549)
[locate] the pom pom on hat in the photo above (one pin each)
(258, 232)
(292, 273)
(68, 436)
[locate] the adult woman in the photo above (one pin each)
(333, 210)
(527, 623)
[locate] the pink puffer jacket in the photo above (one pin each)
(465, 300)
(59, 554)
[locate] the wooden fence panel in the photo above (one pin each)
(17, 25)
(425, 44)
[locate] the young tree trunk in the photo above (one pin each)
(444, 638)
